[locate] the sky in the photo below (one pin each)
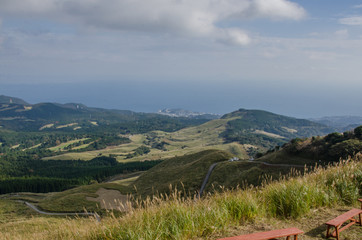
(296, 58)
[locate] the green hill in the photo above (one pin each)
(48, 116)
(329, 148)
(268, 129)
(190, 170)
(11, 100)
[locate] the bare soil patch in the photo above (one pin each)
(111, 199)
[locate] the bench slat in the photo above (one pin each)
(344, 217)
(267, 235)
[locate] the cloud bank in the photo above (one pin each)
(354, 21)
(177, 17)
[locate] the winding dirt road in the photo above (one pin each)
(95, 215)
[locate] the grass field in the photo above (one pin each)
(179, 143)
(35, 146)
(72, 200)
(186, 172)
(61, 146)
(66, 125)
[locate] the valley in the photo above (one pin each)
(113, 162)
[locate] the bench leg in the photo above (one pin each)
(288, 238)
(337, 233)
(295, 237)
(328, 228)
(360, 221)
(334, 233)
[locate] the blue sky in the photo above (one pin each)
(298, 58)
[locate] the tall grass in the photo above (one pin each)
(337, 184)
(176, 217)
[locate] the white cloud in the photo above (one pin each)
(357, 6)
(187, 17)
(277, 9)
(233, 37)
(343, 33)
(322, 55)
(356, 20)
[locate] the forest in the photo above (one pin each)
(28, 175)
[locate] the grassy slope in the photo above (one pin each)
(283, 157)
(246, 124)
(72, 200)
(184, 141)
(242, 173)
(189, 170)
(61, 147)
(306, 202)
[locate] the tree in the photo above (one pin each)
(358, 132)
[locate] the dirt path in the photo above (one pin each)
(95, 215)
(111, 199)
(108, 199)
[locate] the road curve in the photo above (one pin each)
(211, 168)
(95, 215)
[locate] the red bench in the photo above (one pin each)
(287, 232)
(340, 220)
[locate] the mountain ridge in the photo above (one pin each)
(12, 100)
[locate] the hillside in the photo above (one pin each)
(342, 123)
(186, 172)
(323, 150)
(21, 116)
(305, 202)
(296, 154)
(242, 133)
(268, 129)
(74, 132)
(11, 100)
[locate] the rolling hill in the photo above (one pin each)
(296, 154)
(243, 133)
(329, 148)
(11, 100)
(186, 172)
(268, 129)
(20, 116)
(342, 123)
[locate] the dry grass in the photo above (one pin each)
(306, 202)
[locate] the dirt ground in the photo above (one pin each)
(111, 199)
(312, 224)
